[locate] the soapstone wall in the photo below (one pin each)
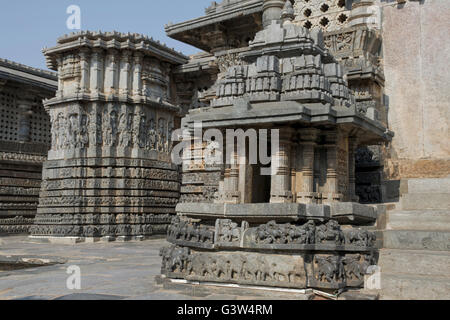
(416, 54)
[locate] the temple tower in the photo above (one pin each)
(109, 173)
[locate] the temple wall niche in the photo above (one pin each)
(416, 53)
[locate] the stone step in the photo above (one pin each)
(417, 186)
(415, 262)
(416, 240)
(414, 287)
(424, 220)
(424, 201)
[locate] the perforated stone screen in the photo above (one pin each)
(9, 120)
(40, 125)
(9, 127)
(329, 15)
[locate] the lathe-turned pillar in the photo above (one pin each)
(280, 191)
(352, 146)
(308, 142)
(84, 67)
(232, 194)
(331, 194)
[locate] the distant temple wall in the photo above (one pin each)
(416, 55)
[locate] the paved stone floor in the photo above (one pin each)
(108, 271)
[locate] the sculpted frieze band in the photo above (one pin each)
(272, 236)
(112, 128)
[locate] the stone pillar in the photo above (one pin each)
(231, 183)
(293, 163)
(245, 178)
(317, 174)
(280, 191)
(331, 194)
(25, 106)
(308, 140)
(352, 146)
(272, 10)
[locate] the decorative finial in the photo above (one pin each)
(288, 13)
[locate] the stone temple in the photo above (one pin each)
(348, 97)
(109, 172)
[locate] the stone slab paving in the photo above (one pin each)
(109, 271)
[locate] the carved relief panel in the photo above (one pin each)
(111, 126)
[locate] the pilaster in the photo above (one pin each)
(85, 68)
(352, 146)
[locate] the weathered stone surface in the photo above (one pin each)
(414, 262)
(425, 201)
(428, 185)
(414, 287)
(419, 108)
(426, 220)
(256, 212)
(417, 240)
(353, 213)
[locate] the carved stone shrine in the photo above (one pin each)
(300, 226)
(109, 173)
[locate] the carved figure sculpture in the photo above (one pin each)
(229, 231)
(330, 269)
(151, 135)
(330, 232)
(83, 139)
(162, 135)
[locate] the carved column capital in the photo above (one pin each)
(309, 135)
(97, 53)
(281, 191)
(112, 53)
(331, 138)
(126, 56)
(353, 143)
(84, 53)
(2, 84)
(138, 57)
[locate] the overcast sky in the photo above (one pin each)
(27, 26)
